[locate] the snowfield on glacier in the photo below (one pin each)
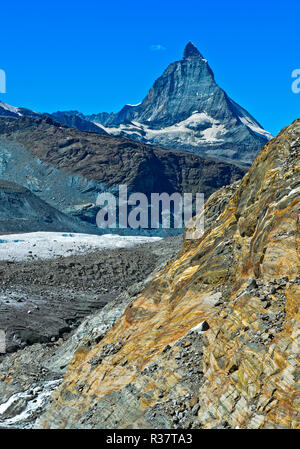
(48, 245)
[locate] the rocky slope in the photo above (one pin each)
(43, 299)
(71, 118)
(21, 211)
(67, 168)
(59, 294)
(212, 341)
(74, 120)
(186, 110)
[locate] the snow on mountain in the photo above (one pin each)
(186, 110)
(10, 109)
(209, 130)
(250, 121)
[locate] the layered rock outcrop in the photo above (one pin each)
(59, 294)
(212, 341)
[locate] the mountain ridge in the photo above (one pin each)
(186, 109)
(22, 211)
(68, 168)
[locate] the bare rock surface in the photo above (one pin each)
(212, 341)
(185, 109)
(57, 326)
(44, 299)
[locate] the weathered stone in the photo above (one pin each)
(253, 372)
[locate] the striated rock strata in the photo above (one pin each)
(212, 341)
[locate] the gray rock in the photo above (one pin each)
(187, 90)
(195, 409)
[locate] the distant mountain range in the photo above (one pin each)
(184, 110)
(187, 135)
(68, 168)
(71, 118)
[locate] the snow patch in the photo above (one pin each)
(9, 108)
(199, 328)
(182, 131)
(250, 122)
(35, 398)
(255, 128)
(49, 245)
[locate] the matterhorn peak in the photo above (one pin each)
(191, 51)
(186, 109)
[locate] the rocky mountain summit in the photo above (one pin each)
(186, 110)
(211, 342)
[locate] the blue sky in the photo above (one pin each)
(96, 56)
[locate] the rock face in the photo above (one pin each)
(212, 341)
(186, 110)
(73, 120)
(22, 211)
(67, 168)
(59, 293)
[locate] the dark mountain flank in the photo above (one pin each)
(22, 211)
(67, 168)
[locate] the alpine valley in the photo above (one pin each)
(202, 336)
(68, 168)
(150, 328)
